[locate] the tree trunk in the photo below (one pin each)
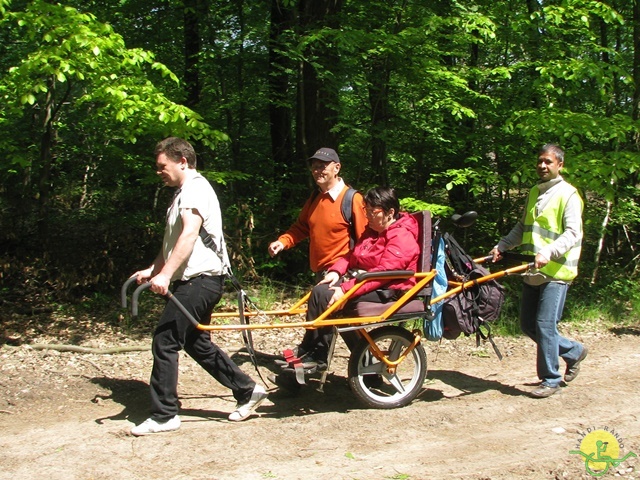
(379, 104)
(318, 100)
(379, 76)
(636, 61)
(46, 161)
(534, 48)
(192, 46)
(237, 139)
(460, 196)
(603, 234)
(280, 114)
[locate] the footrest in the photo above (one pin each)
(305, 368)
(292, 362)
(292, 365)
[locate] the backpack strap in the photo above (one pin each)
(478, 321)
(208, 242)
(487, 337)
(347, 213)
(243, 298)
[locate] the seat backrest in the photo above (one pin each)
(424, 239)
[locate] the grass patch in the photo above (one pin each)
(269, 294)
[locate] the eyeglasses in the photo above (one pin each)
(320, 166)
(372, 212)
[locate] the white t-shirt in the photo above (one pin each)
(197, 194)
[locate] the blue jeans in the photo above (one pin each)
(540, 311)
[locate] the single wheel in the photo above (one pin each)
(378, 385)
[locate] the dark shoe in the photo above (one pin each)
(310, 359)
(309, 366)
(287, 381)
(321, 365)
(544, 391)
(573, 369)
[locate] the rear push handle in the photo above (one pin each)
(466, 220)
(140, 289)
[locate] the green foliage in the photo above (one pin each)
(446, 101)
(413, 205)
(625, 307)
(69, 50)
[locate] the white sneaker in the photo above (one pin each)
(152, 426)
(244, 410)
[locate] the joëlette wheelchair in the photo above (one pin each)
(388, 365)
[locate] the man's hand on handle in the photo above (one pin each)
(159, 283)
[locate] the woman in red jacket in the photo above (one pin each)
(390, 242)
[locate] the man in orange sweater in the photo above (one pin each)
(321, 219)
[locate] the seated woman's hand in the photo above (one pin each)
(331, 278)
(337, 295)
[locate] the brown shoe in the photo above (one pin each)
(573, 369)
(544, 391)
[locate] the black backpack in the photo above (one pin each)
(471, 310)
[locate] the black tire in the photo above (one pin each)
(371, 381)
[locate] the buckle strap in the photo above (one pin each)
(296, 363)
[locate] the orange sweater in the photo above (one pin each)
(321, 221)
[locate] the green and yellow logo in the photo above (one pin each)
(600, 449)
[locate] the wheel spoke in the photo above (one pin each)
(395, 350)
(396, 382)
(373, 368)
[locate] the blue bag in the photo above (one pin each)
(433, 328)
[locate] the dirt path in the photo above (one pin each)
(67, 416)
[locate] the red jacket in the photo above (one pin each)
(396, 248)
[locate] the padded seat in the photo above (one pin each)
(372, 309)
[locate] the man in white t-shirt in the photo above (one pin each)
(196, 274)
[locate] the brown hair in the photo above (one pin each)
(175, 148)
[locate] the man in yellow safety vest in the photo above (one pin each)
(551, 230)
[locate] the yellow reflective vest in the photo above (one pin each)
(544, 228)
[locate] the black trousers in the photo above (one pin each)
(175, 332)
(316, 342)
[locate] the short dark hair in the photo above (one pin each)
(385, 198)
(555, 149)
(175, 148)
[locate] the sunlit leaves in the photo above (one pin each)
(69, 47)
(28, 98)
(572, 127)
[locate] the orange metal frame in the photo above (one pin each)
(324, 320)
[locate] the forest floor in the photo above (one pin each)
(67, 415)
